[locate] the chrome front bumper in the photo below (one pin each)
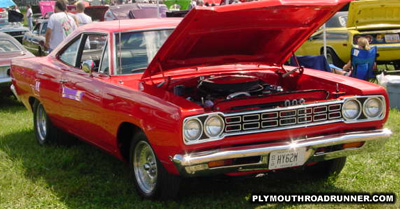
(12, 87)
(196, 163)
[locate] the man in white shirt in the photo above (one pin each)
(29, 16)
(60, 25)
(82, 17)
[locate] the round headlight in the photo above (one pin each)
(373, 107)
(192, 129)
(213, 126)
(351, 109)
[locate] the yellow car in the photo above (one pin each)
(378, 21)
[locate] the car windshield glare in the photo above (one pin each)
(137, 49)
(8, 46)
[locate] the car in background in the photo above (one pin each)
(375, 20)
(15, 29)
(9, 49)
(204, 95)
(34, 40)
(134, 11)
(95, 12)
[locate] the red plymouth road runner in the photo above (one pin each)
(207, 94)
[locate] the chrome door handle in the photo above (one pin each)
(63, 81)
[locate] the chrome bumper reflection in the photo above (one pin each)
(12, 87)
(194, 164)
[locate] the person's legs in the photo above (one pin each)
(30, 23)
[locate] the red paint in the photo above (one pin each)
(109, 101)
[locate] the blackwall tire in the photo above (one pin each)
(45, 132)
(42, 124)
(333, 58)
(151, 179)
(327, 169)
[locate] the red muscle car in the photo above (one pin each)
(207, 94)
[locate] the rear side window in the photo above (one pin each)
(8, 46)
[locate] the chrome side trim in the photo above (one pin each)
(195, 163)
(389, 47)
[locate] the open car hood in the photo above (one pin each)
(373, 12)
(264, 32)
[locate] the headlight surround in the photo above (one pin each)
(351, 109)
(192, 130)
(373, 107)
(213, 126)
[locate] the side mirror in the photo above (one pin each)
(88, 66)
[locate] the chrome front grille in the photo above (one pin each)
(283, 118)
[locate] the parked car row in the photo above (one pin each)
(15, 29)
(203, 95)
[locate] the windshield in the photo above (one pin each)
(7, 46)
(339, 20)
(137, 49)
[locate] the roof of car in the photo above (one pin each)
(5, 35)
(131, 24)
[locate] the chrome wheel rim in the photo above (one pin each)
(41, 122)
(145, 167)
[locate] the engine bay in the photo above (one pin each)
(239, 92)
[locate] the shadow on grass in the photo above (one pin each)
(9, 101)
(82, 176)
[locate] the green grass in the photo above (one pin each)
(82, 176)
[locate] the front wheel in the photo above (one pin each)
(332, 58)
(151, 179)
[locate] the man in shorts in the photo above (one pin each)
(60, 25)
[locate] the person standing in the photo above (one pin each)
(60, 25)
(29, 16)
(83, 19)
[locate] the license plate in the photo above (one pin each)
(392, 38)
(286, 158)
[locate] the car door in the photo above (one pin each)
(82, 91)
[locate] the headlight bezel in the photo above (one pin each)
(360, 107)
(203, 136)
(189, 141)
(381, 111)
(222, 126)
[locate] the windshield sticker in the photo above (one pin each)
(72, 94)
